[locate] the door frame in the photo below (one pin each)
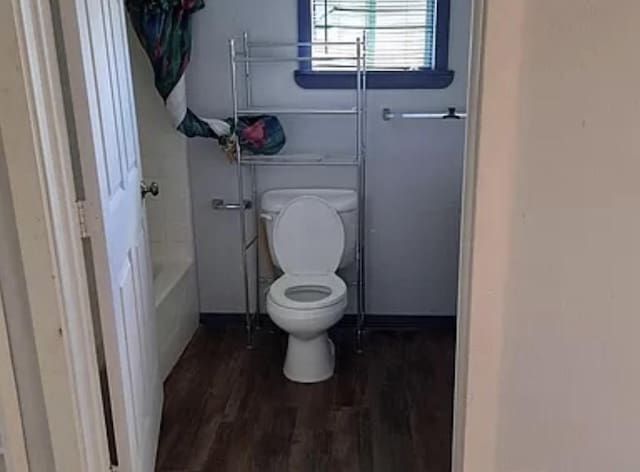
(37, 153)
(65, 342)
(473, 439)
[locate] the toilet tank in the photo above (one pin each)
(344, 201)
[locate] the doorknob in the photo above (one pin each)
(153, 188)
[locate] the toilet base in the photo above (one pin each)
(310, 361)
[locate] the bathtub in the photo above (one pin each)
(175, 291)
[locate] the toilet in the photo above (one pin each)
(309, 241)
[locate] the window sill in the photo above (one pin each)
(431, 79)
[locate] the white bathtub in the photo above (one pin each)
(175, 290)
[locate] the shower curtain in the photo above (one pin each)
(164, 29)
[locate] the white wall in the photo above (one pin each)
(554, 372)
(414, 168)
(163, 152)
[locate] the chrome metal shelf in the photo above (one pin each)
(296, 111)
(254, 59)
(283, 44)
(241, 61)
(299, 160)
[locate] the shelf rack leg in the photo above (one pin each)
(240, 183)
(362, 139)
(359, 306)
(254, 192)
(247, 70)
(257, 223)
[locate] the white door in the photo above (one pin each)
(97, 58)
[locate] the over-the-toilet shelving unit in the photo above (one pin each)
(245, 55)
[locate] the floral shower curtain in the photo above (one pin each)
(164, 30)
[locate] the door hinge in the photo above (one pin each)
(82, 219)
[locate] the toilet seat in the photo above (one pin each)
(308, 292)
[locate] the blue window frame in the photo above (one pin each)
(407, 43)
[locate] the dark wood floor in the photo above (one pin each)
(231, 409)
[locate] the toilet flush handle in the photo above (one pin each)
(266, 217)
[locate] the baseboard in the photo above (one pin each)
(348, 321)
(400, 321)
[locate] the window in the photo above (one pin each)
(407, 42)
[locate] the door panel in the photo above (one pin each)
(125, 315)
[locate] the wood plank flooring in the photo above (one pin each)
(231, 409)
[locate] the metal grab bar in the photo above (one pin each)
(220, 204)
(450, 114)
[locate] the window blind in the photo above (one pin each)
(400, 33)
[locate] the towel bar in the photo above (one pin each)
(450, 114)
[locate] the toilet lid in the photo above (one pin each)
(308, 237)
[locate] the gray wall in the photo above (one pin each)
(414, 167)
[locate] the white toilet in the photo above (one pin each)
(309, 241)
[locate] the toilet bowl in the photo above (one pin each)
(308, 240)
